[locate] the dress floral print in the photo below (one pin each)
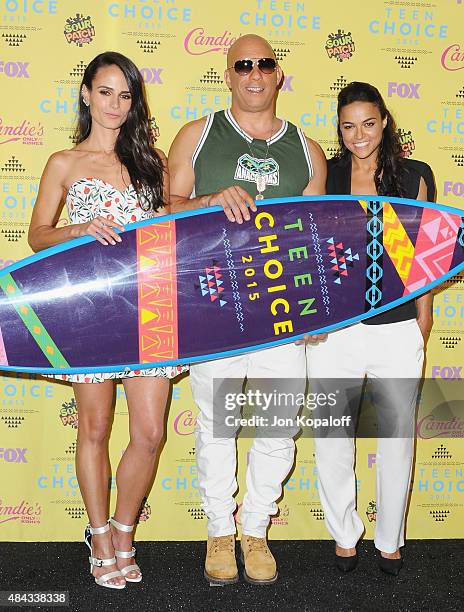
(88, 198)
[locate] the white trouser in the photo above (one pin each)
(390, 351)
(270, 459)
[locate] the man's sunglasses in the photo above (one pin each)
(266, 65)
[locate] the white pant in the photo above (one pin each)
(270, 459)
(390, 351)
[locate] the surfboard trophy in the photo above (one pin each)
(193, 286)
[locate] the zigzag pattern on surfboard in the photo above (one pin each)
(320, 263)
(233, 280)
(425, 261)
(397, 242)
(157, 293)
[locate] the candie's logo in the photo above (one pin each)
(198, 42)
(184, 423)
(79, 30)
(407, 142)
(24, 512)
(340, 45)
(452, 58)
(24, 131)
(446, 420)
(433, 426)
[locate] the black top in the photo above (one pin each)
(426, 173)
(339, 183)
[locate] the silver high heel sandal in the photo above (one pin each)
(127, 554)
(94, 561)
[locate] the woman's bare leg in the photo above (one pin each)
(146, 400)
(94, 405)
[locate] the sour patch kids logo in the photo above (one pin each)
(340, 45)
(79, 30)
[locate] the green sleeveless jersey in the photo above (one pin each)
(226, 156)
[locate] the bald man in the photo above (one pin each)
(209, 164)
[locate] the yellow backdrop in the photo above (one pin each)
(413, 52)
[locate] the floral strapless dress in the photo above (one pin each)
(88, 198)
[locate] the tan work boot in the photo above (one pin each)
(260, 565)
(220, 563)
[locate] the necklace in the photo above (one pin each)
(259, 176)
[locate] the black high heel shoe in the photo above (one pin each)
(346, 564)
(389, 566)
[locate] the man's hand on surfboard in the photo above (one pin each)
(235, 201)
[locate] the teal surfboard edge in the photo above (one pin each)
(70, 244)
(213, 356)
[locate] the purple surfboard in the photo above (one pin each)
(193, 286)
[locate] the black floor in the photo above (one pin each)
(431, 580)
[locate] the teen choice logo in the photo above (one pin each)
(79, 30)
(340, 45)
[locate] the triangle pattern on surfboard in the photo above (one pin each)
(211, 283)
(341, 258)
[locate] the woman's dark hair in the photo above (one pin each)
(135, 144)
(390, 172)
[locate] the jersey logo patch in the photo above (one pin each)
(249, 167)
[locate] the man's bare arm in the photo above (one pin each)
(316, 185)
(234, 200)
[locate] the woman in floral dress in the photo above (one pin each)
(112, 177)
